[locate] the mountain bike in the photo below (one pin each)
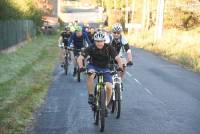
(99, 104)
(67, 58)
(116, 92)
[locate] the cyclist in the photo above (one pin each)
(91, 34)
(63, 42)
(78, 40)
(72, 27)
(100, 54)
(120, 43)
(86, 28)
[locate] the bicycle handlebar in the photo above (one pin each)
(98, 73)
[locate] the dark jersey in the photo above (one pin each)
(118, 43)
(65, 37)
(79, 42)
(91, 37)
(100, 57)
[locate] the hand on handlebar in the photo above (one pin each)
(82, 69)
(120, 69)
(61, 45)
(130, 63)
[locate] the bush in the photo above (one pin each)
(12, 10)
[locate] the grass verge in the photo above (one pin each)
(182, 47)
(25, 76)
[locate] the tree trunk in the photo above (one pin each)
(159, 19)
(133, 10)
(144, 14)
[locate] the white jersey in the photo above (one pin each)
(122, 39)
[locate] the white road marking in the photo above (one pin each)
(148, 91)
(138, 81)
(130, 75)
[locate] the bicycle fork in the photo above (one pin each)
(116, 80)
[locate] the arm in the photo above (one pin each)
(71, 39)
(80, 61)
(82, 57)
(126, 47)
(87, 39)
(60, 40)
(119, 61)
(114, 55)
(128, 50)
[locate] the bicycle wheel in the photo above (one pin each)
(96, 117)
(102, 109)
(95, 108)
(117, 103)
(78, 75)
(66, 65)
(113, 106)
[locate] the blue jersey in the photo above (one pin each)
(79, 42)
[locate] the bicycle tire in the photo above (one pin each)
(66, 66)
(96, 110)
(113, 106)
(102, 109)
(78, 75)
(96, 117)
(117, 103)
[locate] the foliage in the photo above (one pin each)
(176, 45)
(20, 9)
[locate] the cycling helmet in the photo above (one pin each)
(99, 36)
(78, 29)
(117, 27)
(67, 28)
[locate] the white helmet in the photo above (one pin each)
(99, 36)
(117, 27)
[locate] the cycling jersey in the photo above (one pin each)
(100, 57)
(91, 37)
(79, 42)
(65, 37)
(118, 43)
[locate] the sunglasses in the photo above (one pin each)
(116, 32)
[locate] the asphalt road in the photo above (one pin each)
(159, 98)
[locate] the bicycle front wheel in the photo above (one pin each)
(66, 66)
(117, 102)
(102, 109)
(78, 75)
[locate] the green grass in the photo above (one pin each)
(182, 47)
(25, 76)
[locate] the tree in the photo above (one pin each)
(159, 19)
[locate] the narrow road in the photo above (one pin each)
(159, 98)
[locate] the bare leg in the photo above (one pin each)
(108, 91)
(90, 83)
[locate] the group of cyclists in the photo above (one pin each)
(100, 47)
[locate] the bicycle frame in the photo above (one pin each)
(116, 80)
(99, 86)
